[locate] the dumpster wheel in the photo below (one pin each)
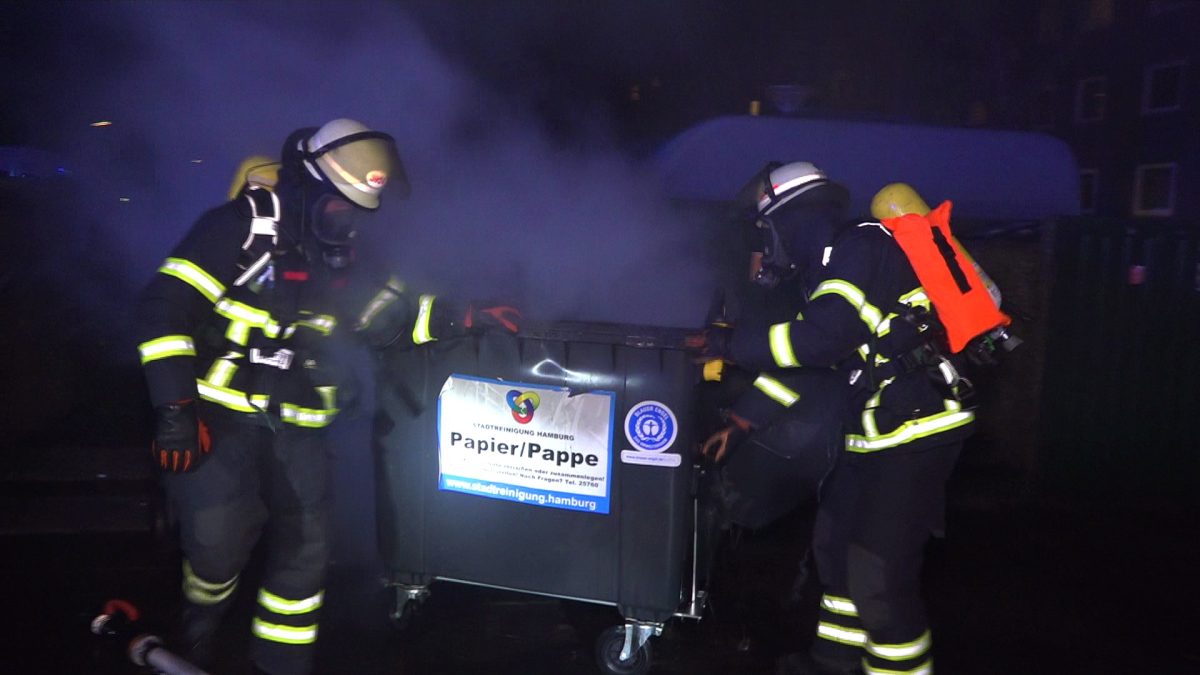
(609, 645)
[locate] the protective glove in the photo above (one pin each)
(724, 440)
(181, 439)
(480, 319)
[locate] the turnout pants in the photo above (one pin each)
(876, 514)
(256, 482)
(782, 465)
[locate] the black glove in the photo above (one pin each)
(480, 319)
(181, 439)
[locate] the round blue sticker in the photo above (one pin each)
(650, 426)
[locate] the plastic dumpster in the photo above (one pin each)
(556, 462)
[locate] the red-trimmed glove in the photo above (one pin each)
(498, 316)
(181, 439)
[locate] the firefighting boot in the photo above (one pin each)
(194, 638)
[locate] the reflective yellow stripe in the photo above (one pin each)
(231, 398)
(292, 635)
(902, 651)
(204, 592)
(390, 292)
(313, 418)
(837, 605)
(778, 391)
(869, 313)
(909, 431)
(191, 274)
(238, 333)
(166, 347)
(846, 636)
(281, 605)
(328, 395)
(421, 333)
(221, 372)
(322, 323)
(781, 345)
(923, 669)
(255, 317)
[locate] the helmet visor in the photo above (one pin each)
(360, 166)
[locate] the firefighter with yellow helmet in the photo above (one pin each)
(236, 329)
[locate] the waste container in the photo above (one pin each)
(557, 461)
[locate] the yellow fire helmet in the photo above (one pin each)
(356, 161)
(897, 199)
(255, 170)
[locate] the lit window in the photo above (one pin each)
(1163, 88)
(1154, 190)
(1088, 179)
(1091, 97)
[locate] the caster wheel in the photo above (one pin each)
(408, 616)
(608, 654)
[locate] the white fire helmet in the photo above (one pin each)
(784, 183)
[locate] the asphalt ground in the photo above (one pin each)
(1049, 589)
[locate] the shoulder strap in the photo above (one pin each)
(264, 223)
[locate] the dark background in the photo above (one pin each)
(526, 126)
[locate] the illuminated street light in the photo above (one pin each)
(102, 123)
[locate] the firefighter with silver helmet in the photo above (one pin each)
(869, 315)
(236, 345)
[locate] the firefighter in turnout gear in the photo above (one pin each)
(784, 425)
(868, 315)
(236, 330)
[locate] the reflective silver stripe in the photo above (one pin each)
(281, 605)
(292, 635)
(778, 391)
(910, 431)
(421, 333)
(869, 313)
(902, 651)
(204, 592)
(313, 418)
(846, 636)
(191, 274)
(781, 345)
(923, 669)
(257, 318)
(167, 346)
(231, 398)
(843, 606)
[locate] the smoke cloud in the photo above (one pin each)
(501, 208)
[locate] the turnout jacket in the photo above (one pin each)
(239, 317)
(852, 320)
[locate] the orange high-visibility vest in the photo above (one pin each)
(959, 296)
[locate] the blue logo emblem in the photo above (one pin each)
(651, 427)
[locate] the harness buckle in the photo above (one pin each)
(280, 358)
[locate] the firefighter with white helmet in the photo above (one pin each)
(867, 313)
